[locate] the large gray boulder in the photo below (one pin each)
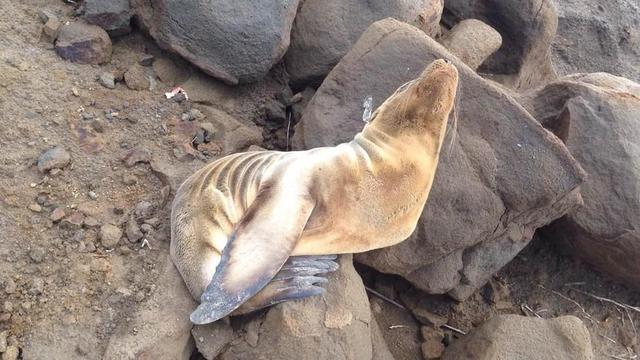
(236, 41)
(514, 337)
(596, 35)
(325, 30)
(502, 177)
(597, 115)
(338, 325)
(527, 28)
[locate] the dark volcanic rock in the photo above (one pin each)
(112, 15)
(325, 30)
(234, 41)
(83, 43)
(477, 217)
(527, 28)
(597, 116)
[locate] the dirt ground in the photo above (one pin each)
(60, 287)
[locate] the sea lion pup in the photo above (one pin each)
(240, 224)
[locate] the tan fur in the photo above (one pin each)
(366, 194)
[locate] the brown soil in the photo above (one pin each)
(70, 291)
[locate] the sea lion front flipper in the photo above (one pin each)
(257, 248)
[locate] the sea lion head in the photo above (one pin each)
(421, 106)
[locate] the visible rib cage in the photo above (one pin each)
(236, 178)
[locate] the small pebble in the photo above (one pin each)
(146, 60)
(57, 214)
(133, 231)
(37, 255)
(75, 92)
(11, 353)
(37, 286)
(35, 208)
(54, 158)
(90, 221)
(146, 228)
(92, 195)
(88, 116)
(9, 286)
(144, 209)
(107, 80)
(110, 235)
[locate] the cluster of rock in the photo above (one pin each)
(530, 149)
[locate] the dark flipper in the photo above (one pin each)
(299, 278)
(256, 251)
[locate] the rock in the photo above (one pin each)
(107, 80)
(35, 208)
(161, 323)
(136, 78)
(57, 214)
(133, 231)
(83, 43)
(73, 221)
(597, 116)
(143, 210)
(211, 339)
(45, 15)
(51, 29)
(477, 218)
(234, 135)
(169, 72)
(236, 42)
(598, 36)
(325, 30)
(110, 235)
(432, 349)
(3, 340)
(472, 41)
(146, 60)
(11, 353)
(527, 28)
(9, 286)
(426, 317)
(336, 327)
(37, 254)
(520, 337)
(54, 158)
(136, 155)
(112, 15)
(37, 286)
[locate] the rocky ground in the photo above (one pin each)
(85, 229)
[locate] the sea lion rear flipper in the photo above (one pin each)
(300, 277)
(257, 248)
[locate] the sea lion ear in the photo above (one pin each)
(257, 249)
